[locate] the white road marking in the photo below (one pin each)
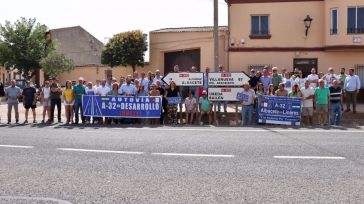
(35, 199)
(17, 146)
(194, 155)
(217, 129)
(309, 157)
(98, 151)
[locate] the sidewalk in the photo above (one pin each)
(231, 118)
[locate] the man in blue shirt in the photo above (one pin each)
(351, 89)
(12, 94)
(266, 80)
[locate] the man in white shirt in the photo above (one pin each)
(351, 90)
(313, 78)
(45, 100)
(127, 89)
(158, 76)
(308, 94)
(330, 77)
(103, 90)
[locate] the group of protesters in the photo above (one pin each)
(323, 94)
(320, 93)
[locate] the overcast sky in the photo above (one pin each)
(107, 17)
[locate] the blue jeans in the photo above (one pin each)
(335, 114)
(219, 104)
(77, 106)
(247, 111)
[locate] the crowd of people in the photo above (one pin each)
(320, 93)
(323, 94)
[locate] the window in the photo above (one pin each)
(260, 26)
(359, 70)
(356, 20)
(334, 21)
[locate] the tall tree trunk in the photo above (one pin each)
(133, 69)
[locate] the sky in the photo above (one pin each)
(105, 18)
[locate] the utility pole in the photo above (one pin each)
(216, 47)
(216, 35)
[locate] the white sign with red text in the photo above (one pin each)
(223, 94)
(184, 78)
(228, 79)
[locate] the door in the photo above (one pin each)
(305, 65)
(185, 59)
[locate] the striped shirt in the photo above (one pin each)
(335, 94)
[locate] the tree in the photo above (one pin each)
(56, 63)
(23, 45)
(125, 49)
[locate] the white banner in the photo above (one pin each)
(223, 94)
(184, 79)
(228, 79)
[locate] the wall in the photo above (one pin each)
(342, 38)
(92, 73)
(170, 42)
(285, 21)
(240, 61)
(77, 44)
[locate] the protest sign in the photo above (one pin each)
(121, 106)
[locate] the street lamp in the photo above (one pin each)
(307, 21)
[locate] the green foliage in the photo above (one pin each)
(23, 45)
(56, 63)
(125, 49)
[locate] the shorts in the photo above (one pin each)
(46, 103)
(28, 106)
(68, 103)
(322, 108)
(307, 111)
(191, 111)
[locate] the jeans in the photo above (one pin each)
(10, 107)
(247, 111)
(350, 99)
(219, 104)
(335, 113)
(55, 102)
(76, 107)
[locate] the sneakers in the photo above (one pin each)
(34, 121)
(25, 122)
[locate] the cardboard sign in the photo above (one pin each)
(184, 78)
(223, 94)
(227, 79)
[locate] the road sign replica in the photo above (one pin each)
(223, 94)
(227, 79)
(184, 78)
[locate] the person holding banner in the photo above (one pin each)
(154, 92)
(271, 90)
(172, 91)
(205, 107)
(322, 95)
(281, 90)
(247, 97)
(190, 106)
(90, 90)
(103, 90)
(69, 97)
(295, 91)
(113, 92)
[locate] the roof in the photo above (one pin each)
(189, 29)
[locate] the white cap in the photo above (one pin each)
(81, 78)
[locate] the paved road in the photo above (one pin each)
(180, 165)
